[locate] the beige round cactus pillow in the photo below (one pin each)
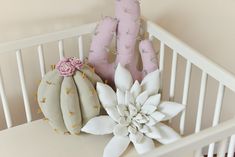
(67, 96)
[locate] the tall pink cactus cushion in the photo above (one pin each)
(128, 14)
(102, 38)
(149, 56)
(126, 26)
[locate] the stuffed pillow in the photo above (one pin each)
(67, 96)
(125, 28)
(135, 114)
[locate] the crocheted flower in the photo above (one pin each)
(77, 63)
(135, 114)
(65, 67)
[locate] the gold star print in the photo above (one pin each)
(71, 113)
(106, 81)
(93, 91)
(74, 125)
(43, 100)
(52, 67)
(83, 75)
(45, 119)
(69, 91)
(49, 83)
(67, 133)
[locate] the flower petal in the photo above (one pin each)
(129, 99)
(151, 82)
(120, 97)
(108, 100)
(116, 146)
(144, 146)
(99, 126)
(154, 133)
(123, 79)
(168, 135)
(158, 116)
(148, 109)
(153, 100)
(106, 95)
(170, 109)
(120, 130)
(136, 137)
(142, 98)
(135, 89)
(113, 113)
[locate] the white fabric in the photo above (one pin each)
(116, 146)
(145, 146)
(99, 125)
(138, 113)
(170, 109)
(151, 82)
(123, 79)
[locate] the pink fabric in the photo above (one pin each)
(149, 56)
(98, 56)
(128, 14)
(126, 26)
(67, 66)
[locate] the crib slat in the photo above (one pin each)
(23, 86)
(41, 60)
(161, 64)
(5, 103)
(201, 102)
(173, 75)
(231, 148)
(185, 95)
(61, 48)
(217, 115)
(200, 107)
(80, 47)
(222, 148)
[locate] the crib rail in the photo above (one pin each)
(196, 141)
(208, 68)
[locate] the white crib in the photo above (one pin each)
(36, 138)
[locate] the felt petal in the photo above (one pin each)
(123, 79)
(113, 113)
(170, 109)
(120, 97)
(142, 98)
(168, 135)
(120, 130)
(154, 133)
(129, 99)
(136, 137)
(153, 100)
(144, 146)
(148, 109)
(135, 89)
(116, 146)
(151, 82)
(106, 95)
(99, 125)
(108, 99)
(158, 116)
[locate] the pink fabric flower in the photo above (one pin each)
(65, 68)
(77, 63)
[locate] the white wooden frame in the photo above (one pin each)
(218, 132)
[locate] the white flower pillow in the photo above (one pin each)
(135, 114)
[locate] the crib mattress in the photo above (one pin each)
(37, 139)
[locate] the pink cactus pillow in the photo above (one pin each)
(125, 27)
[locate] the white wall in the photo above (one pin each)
(206, 25)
